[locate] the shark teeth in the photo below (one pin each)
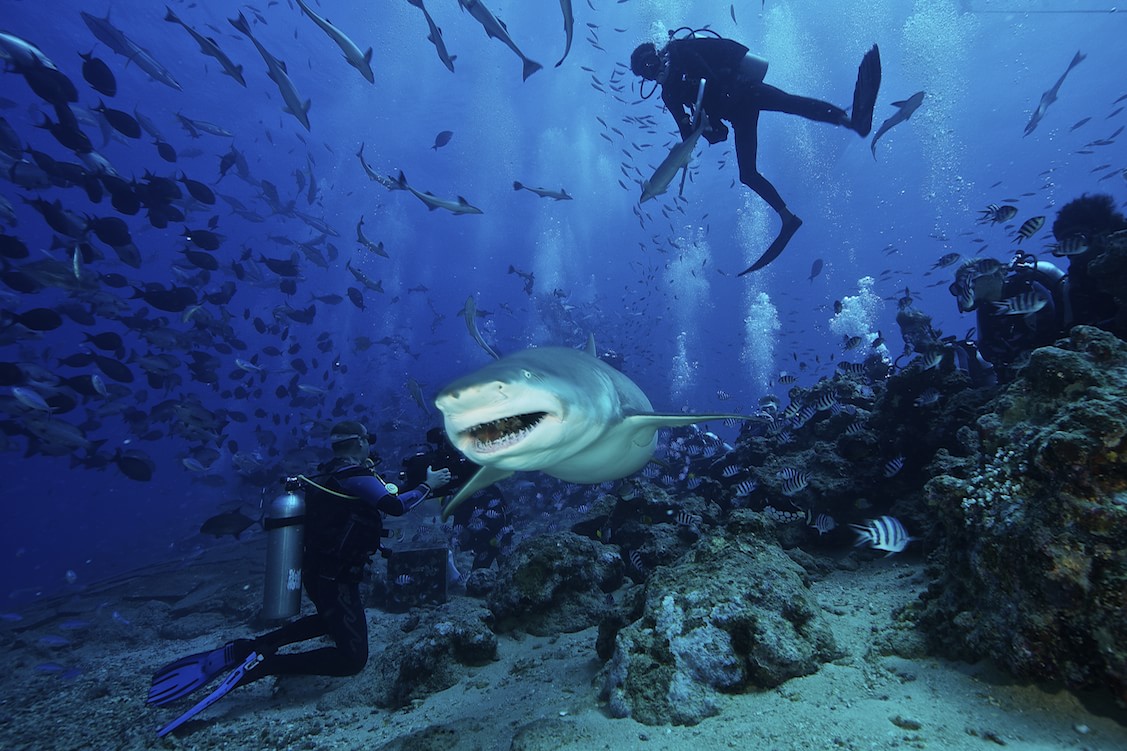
(503, 432)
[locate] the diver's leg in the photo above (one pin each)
(304, 628)
(342, 618)
(747, 152)
(776, 100)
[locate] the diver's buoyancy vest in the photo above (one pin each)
(341, 533)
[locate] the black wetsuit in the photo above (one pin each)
(340, 536)
(730, 95)
(1005, 339)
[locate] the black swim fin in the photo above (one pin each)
(253, 660)
(180, 678)
(865, 93)
(790, 226)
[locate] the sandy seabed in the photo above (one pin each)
(542, 693)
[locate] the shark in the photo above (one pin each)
(906, 108)
(460, 206)
(555, 410)
(276, 70)
(1050, 96)
(362, 61)
(569, 28)
(677, 159)
(116, 40)
(435, 37)
(496, 29)
(208, 46)
(559, 195)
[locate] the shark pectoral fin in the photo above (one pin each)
(647, 423)
(485, 477)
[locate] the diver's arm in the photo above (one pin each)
(678, 109)
(372, 492)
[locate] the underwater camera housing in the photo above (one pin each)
(440, 455)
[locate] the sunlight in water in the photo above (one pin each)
(686, 274)
(761, 319)
(761, 330)
(859, 313)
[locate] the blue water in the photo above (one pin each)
(660, 290)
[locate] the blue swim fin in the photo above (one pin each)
(232, 680)
(180, 678)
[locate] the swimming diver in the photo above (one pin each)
(734, 91)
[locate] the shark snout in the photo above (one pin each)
(465, 405)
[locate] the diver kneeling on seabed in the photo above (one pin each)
(322, 531)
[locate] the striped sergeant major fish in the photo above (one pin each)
(885, 533)
(822, 522)
(1030, 227)
(995, 214)
(1027, 303)
(1073, 245)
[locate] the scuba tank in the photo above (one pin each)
(752, 68)
(285, 547)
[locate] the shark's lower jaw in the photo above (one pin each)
(491, 437)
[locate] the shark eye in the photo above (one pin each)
(527, 374)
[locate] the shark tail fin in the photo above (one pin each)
(240, 24)
(530, 67)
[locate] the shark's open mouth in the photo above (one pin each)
(503, 432)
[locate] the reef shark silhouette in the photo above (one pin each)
(906, 108)
(555, 410)
(1050, 96)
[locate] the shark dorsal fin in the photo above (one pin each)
(590, 348)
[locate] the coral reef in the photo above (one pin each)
(440, 644)
(1031, 564)
(732, 614)
(555, 583)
